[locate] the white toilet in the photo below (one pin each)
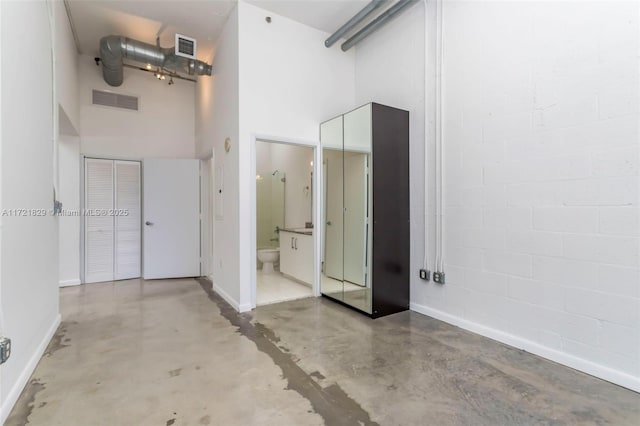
(268, 256)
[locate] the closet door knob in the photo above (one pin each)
(148, 223)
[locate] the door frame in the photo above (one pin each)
(207, 215)
(315, 213)
(364, 228)
(83, 185)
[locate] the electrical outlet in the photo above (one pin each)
(425, 274)
(438, 277)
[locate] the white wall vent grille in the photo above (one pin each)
(185, 46)
(115, 100)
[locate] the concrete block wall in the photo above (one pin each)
(542, 173)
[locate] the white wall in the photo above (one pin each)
(28, 245)
(289, 83)
(263, 157)
(542, 174)
(273, 79)
(68, 145)
(69, 195)
(390, 69)
(66, 65)
(163, 126)
(541, 141)
(217, 119)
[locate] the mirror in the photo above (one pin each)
(346, 274)
(356, 236)
(333, 198)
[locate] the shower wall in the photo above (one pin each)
(295, 161)
(270, 201)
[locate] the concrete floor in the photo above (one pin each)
(172, 352)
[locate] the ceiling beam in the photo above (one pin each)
(73, 28)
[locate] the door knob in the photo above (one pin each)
(329, 223)
(148, 223)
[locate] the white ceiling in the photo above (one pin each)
(325, 15)
(202, 19)
(144, 19)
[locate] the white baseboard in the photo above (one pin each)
(245, 307)
(230, 300)
(23, 379)
(69, 283)
(597, 370)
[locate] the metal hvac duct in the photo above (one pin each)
(377, 23)
(113, 49)
(355, 20)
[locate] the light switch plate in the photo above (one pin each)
(425, 274)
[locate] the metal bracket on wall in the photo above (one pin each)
(5, 349)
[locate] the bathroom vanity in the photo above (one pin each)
(365, 241)
(296, 254)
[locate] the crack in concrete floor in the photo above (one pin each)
(330, 402)
(158, 352)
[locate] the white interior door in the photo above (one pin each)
(171, 218)
(99, 227)
(127, 250)
(112, 220)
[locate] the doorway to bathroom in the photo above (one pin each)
(284, 222)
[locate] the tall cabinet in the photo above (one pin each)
(365, 240)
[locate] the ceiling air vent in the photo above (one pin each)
(115, 100)
(185, 46)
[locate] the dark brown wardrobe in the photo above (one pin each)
(365, 210)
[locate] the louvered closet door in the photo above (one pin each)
(127, 227)
(99, 228)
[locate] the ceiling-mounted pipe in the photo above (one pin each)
(153, 71)
(113, 49)
(377, 23)
(355, 20)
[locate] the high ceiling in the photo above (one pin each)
(325, 15)
(145, 19)
(202, 19)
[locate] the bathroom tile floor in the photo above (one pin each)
(275, 288)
